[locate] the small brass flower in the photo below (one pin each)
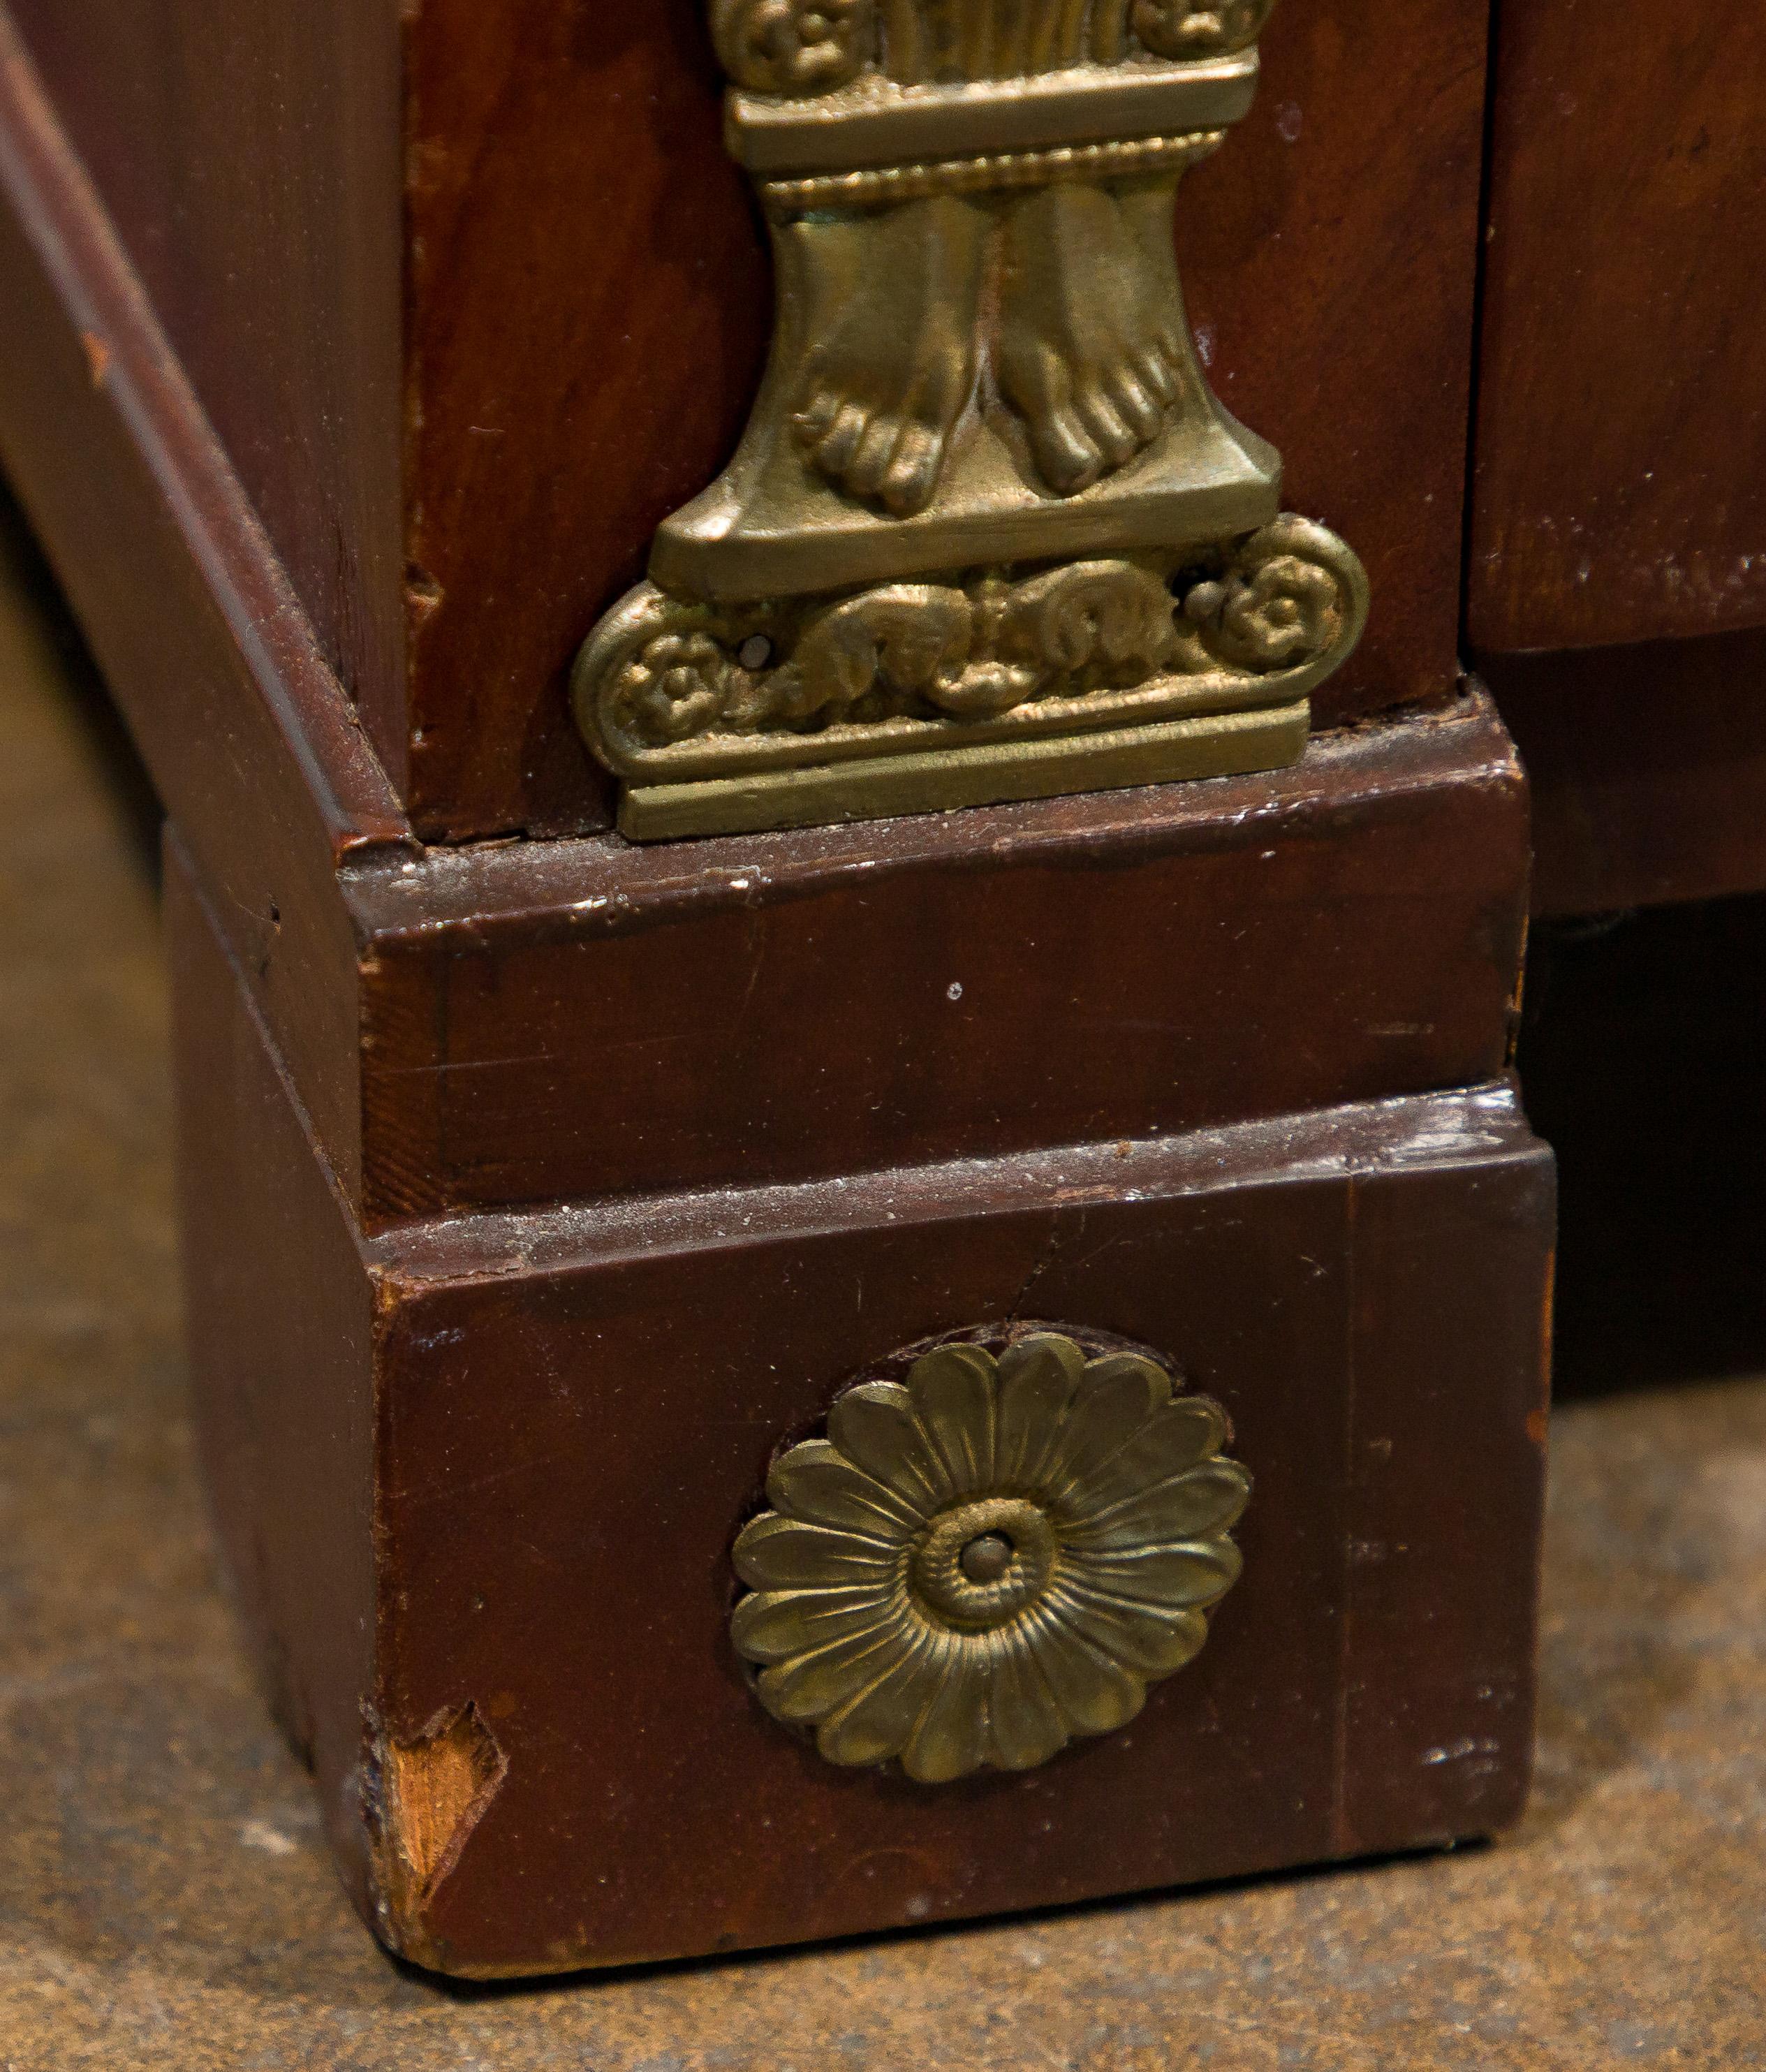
(1002, 1554)
(677, 686)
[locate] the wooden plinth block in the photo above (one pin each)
(479, 1479)
(557, 1020)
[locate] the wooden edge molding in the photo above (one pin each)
(405, 1060)
(536, 891)
(190, 612)
(1420, 1129)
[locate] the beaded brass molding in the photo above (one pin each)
(996, 1556)
(989, 534)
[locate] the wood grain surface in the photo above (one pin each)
(1377, 1341)
(249, 157)
(279, 1331)
(246, 732)
(589, 302)
(589, 311)
(576, 1019)
(1648, 766)
(586, 301)
(436, 959)
(1621, 485)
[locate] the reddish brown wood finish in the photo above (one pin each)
(588, 312)
(281, 1332)
(590, 297)
(574, 1412)
(1648, 766)
(1367, 1686)
(577, 1019)
(1329, 253)
(495, 1461)
(1384, 919)
(248, 154)
(1621, 489)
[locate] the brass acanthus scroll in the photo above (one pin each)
(989, 534)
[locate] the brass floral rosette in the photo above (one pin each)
(974, 1568)
(989, 534)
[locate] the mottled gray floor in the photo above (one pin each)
(164, 1898)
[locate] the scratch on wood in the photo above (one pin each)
(1045, 1260)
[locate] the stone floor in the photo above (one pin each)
(164, 1901)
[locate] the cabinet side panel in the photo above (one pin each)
(249, 155)
(1648, 766)
(281, 1326)
(1620, 495)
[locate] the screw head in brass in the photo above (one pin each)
(988, 1559)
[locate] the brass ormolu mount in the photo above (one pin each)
(995, 1556)
(989, 534)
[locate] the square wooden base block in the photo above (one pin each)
(478, 1479)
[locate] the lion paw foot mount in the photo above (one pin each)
(989, 534)
(988, 1560)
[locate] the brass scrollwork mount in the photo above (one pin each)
(989, 534)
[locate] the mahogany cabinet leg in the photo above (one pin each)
(855, 1369)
